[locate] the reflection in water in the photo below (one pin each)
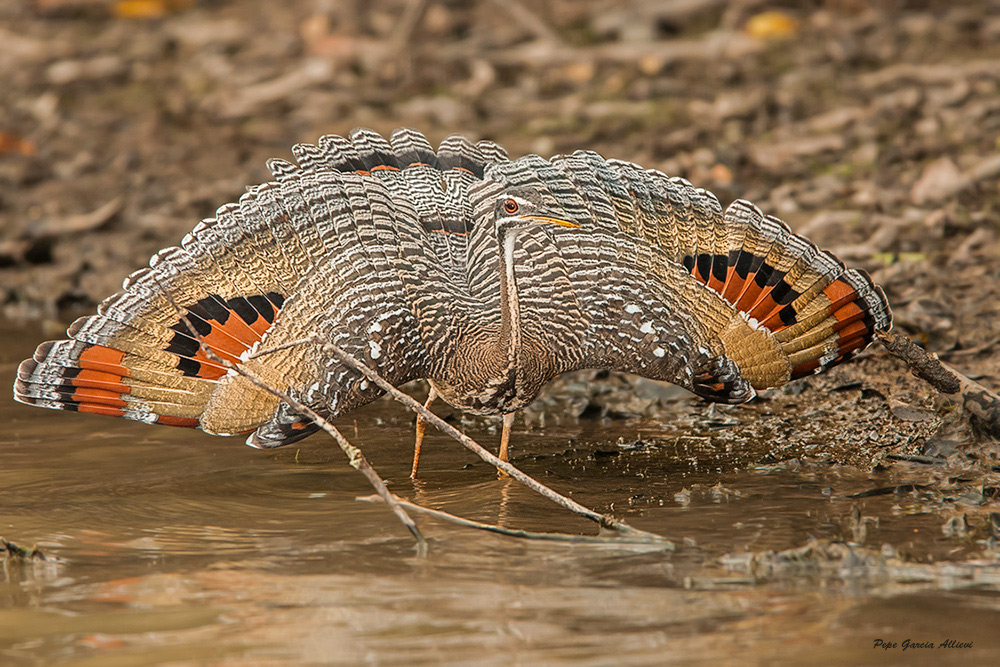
(180, 547)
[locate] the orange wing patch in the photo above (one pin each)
(230, 327)
(99, 379)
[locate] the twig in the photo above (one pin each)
(716, 45)
(84, 222)
(915, 458)
(976, 398)
(402, 33)
(515, 532)
(359, 462)
(11, 550)
(402, 38)
(602, 520)
(354, 455)
(972, 350)
(529, 20)
(925, 74)
(278, 348)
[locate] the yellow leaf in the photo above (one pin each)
(772, 25)
(149, 9)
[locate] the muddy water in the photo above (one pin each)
(175, 547)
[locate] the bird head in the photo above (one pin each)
(516, 212)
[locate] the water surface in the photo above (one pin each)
(175, 547)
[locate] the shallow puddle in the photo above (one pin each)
(182, 548)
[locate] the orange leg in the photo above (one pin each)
(421, 427)
(508, 419)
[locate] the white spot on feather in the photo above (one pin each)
(829, 357)
(660, 352)
(632, 309)
(245, 355)
(646, 328)
(376, 349)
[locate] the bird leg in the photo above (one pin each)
(421, 427)
(508, 419)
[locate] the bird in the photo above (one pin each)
(484, 275)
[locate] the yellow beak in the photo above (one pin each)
(552, 221)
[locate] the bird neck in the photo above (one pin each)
(509, 344)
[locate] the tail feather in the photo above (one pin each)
(280, 432)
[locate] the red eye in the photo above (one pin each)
(510, 206)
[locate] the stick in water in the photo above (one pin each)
(359, 462)
(602, 520)
(526, 534)
(354, 455)
(976, 398)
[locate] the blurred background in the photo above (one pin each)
(873, 127)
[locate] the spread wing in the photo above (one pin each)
(361, 241)
(384, 247)
(661, 282)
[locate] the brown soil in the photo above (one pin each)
(872, 130)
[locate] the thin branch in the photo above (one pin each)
(976, 398)
(529, 20)
(402, 33)
(524, 534)
(602, 520)
(354, 455)
(279, 348)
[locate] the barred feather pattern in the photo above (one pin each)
(389, 249)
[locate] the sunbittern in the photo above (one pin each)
(486, 276)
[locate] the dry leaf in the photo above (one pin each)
(721, 175)
(937, 181)
(15, 143)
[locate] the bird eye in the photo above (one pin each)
(510, 206)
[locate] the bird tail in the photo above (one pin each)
(815, 312)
